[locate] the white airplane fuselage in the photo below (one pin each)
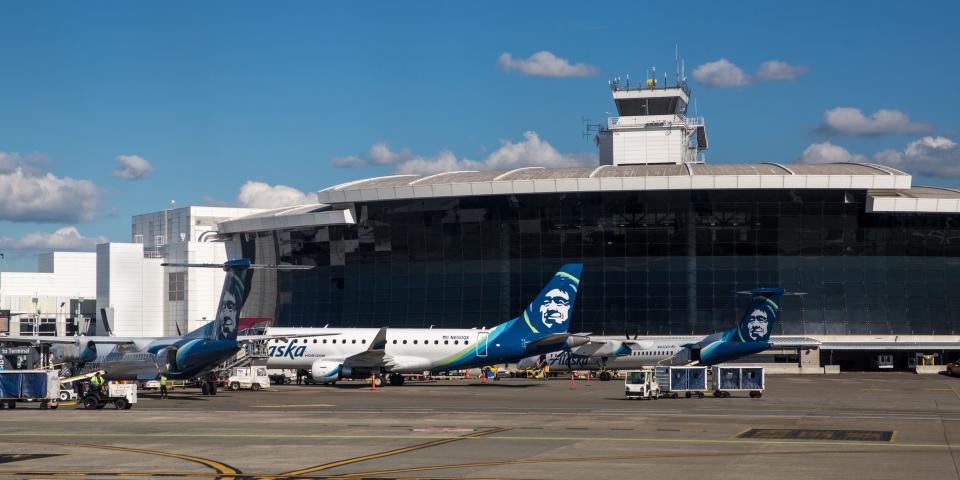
(406, 350)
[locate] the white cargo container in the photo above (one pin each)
(726, 379)
(680, 380)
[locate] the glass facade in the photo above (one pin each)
(655, 263)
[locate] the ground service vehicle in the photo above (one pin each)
(641, 384)
(41, 386)
(253, 378)
(121, 395)
(737, 379)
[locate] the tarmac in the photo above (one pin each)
(849, 426)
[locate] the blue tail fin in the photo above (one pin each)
(761, 316)
(549, 313)
(236, 288)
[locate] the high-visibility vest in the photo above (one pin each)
(97, 380)
(163, 380)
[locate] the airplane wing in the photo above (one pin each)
(375, 355)
(63, 340)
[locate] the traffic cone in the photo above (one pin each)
(573, 382)
(588, 378)
(373, 383)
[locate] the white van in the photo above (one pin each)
(252, 378)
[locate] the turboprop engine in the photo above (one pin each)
(167, 360)
(325, 371)
(81, 351)
(574, 341)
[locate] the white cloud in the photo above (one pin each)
(66, 239)
(928, 156)
(27, 194)
(531, 151)
(33, 163)
(828, 153)
(721, 73)
(774, 70)
(852, 122)
(261, 195)
(545, 64)
(724, 73)
(132, 167)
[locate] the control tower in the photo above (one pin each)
(652, 126)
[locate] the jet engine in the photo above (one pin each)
(325, 371)
(82, 351)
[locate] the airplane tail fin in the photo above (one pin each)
(549, 313)
(236, 288)
(760, 317)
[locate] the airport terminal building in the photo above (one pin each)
(664, 244)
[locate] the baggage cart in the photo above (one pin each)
(726, 379)
(42, 386)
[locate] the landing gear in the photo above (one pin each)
(396, 379)
(605, 376)
(378, 380)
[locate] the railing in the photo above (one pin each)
(642, 120)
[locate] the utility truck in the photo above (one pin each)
(641, 384)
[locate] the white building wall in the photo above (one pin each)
(133, 286)
(61, 277)
(202, 285)
(648, 146)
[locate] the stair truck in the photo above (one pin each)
(685, 380)
(726, 379)
(641, 384)
(41, 386)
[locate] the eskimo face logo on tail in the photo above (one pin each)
(757, 325)
(555, 307)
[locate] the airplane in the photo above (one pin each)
(182, 357)
(365, 352)
(750, 336)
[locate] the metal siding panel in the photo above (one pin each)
(748, 181)
(723, 182)
(634, 183)
(611, 184)
(657, 183)
(501, 188)
(771, 181)
(679, 183)
(523, 186)
(544, 186)
(566, 185)
(481, 189)
(818, 181)
(588, 184)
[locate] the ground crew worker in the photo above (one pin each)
(97, 381)
(163, 387)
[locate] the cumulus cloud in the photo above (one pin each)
(775, 70)
(724, 73)
(852, 122)
(28, 194)
(721, 73)
(33, 163)
(66, 239)
(828, 153)
(132, 167)
(531, 151)
(262, 195)
(545, 64)
(928, 156)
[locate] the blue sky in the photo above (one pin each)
(215, 94)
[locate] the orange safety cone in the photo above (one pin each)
(373, 383)
(466, 374)
(483, 376)
(573, 382)
(588, 378)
